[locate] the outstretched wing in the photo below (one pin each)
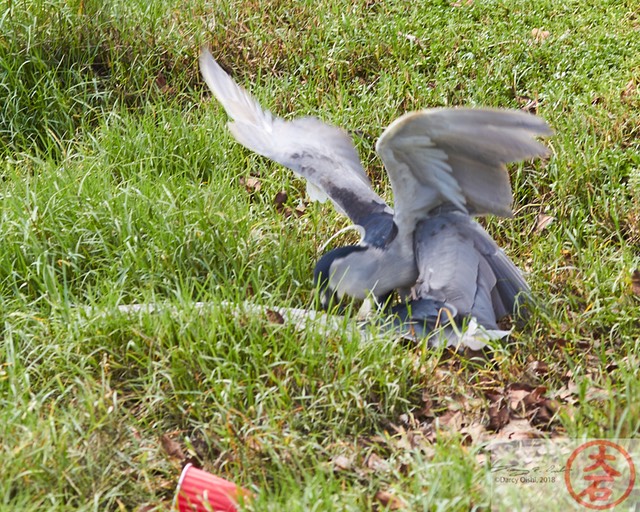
(456, 156)
(322, 154)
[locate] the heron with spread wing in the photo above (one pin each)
(445, 166)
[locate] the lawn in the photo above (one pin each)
(121, 185)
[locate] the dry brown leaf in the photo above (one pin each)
(528, 104)
(146, 507)
(538, 368)
(342, 463)
(515, 397)
(518, 429)
(535, 397)
(274, 317)
(498, 416)
(390, 501)
(411, 38)
(451, 420)
(251, 184)
(543, 221)
(377, 463)
(539, 34)
(635, 282)
(594, 393)
(161, 81)
(172, 448)
(568, 392)
(279, 200)
(629, 91)
(473, 433)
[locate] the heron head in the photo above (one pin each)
(330, 272)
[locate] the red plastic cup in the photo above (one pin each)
(199, 491)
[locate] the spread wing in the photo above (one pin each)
(322, 154)
(456, 156)
(459, 263)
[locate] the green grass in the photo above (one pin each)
(120, 184)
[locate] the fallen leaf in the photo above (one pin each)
(451, 420)
(411, 38)
(635, 282)
(519, 429)
(172, 448)
(539, 35)
(594, 393)
(279, 200)
(543, 221)
(538, 368)
(342, 463)
(473, 433)
(568, 392)
(161, 81)
(427, 406)
(390, 501)
(516, 397)
(145, 507)
(498, 416)
(274, 317)
(528, 104)
(377, 463)
(535, 397)
(251, 184)
(629, 91)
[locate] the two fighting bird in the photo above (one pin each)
(445, 166)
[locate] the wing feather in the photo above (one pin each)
(322, 154)
(459, 263)
(456, 156)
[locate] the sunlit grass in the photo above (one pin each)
(121, 185)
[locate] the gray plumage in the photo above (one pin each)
(459, 263)
(444, 165)
(322, 154)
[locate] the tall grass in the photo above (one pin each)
(120, 185)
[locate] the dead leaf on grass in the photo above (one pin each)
(498, 415)
(630, 90)
(172, 448)
(390, 501)
(528, 104)
(543, 221)
(518, 429)
(411, 38)
(635, 282)
(252, 184)
(377, 463)
(274, 317)
(537, 368)
(451, 420)
(473, 433)
(279, 200)
(342, 463)
(539, 35)
(516, 397)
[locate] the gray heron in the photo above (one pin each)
(445, 166)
